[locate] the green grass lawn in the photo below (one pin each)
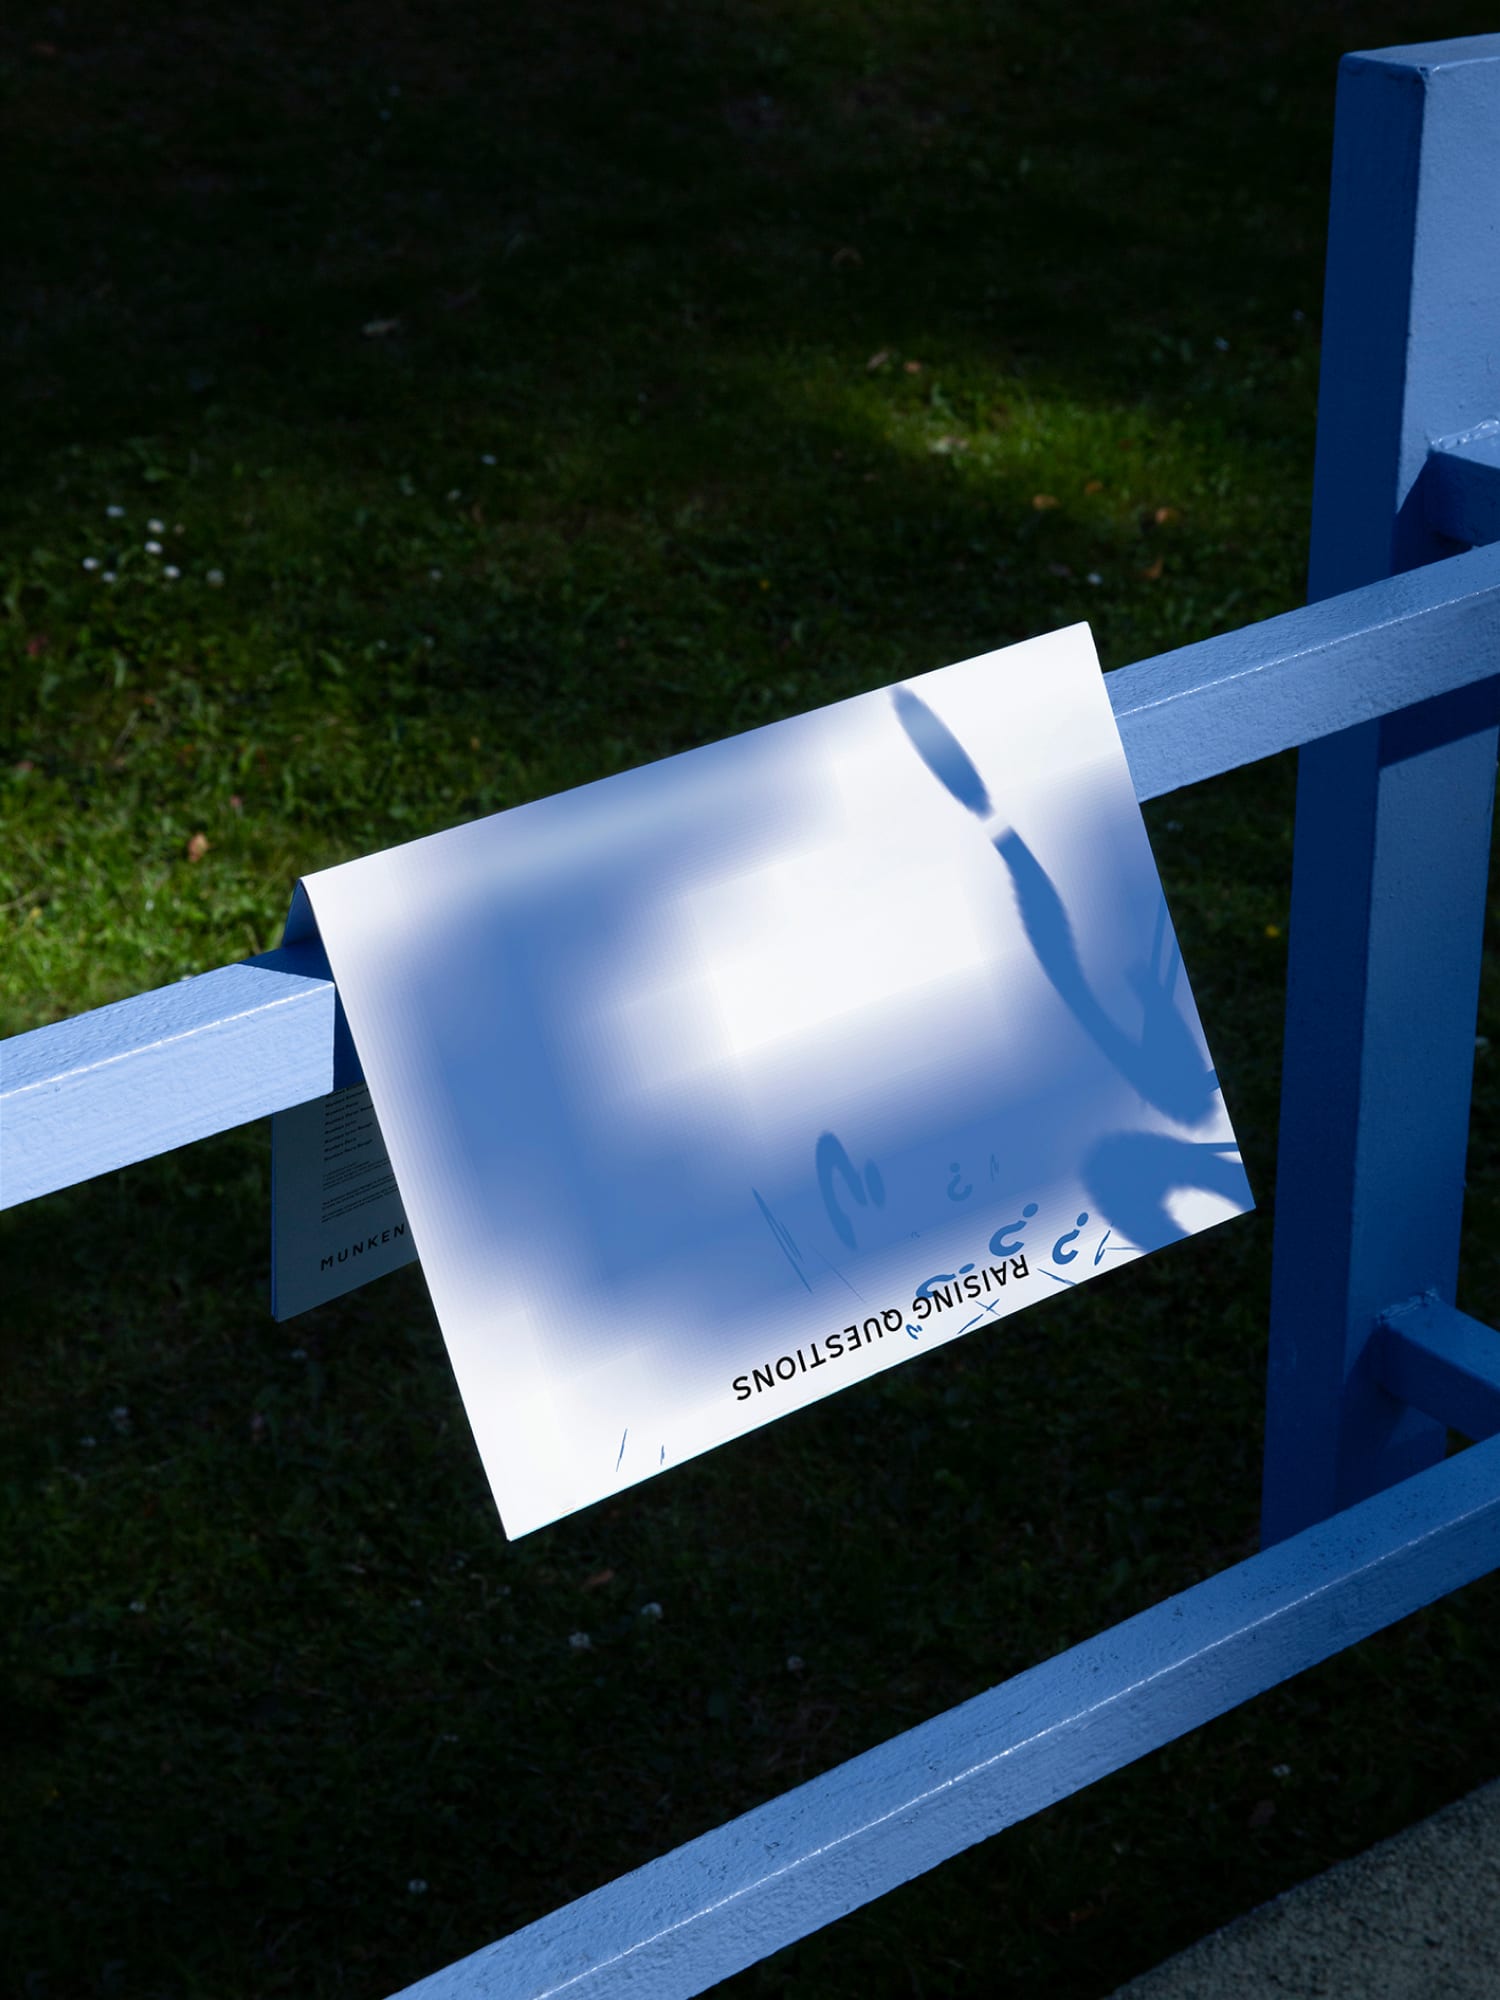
(417, 409)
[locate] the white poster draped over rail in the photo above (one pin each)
(723, 1083)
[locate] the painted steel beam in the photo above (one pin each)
(733, 1896)
(1310, 673)
(1461, 482)
(124, 1083)
(1392, 847)
(137, 1078)
(1441, 1361)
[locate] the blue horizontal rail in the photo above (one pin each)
(1437, 1359)
(1461, 480)
(126, 1082)
(135, 1079)
(721, 1902)
(1208, 708)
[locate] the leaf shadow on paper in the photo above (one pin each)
(1128, 1174)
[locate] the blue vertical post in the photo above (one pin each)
(1393, 817)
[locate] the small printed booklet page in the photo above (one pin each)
(716, 1086)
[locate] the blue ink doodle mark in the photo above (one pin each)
(942, 1278)
(999, 1246)
(830, 1158)
(953, 1194)
(964, 1270)
(992, 1307)
(1120, 1249)
(783, 1238)
(661, 1461)
(847, 1284)
(829, 1265)
(622, 1448)
(1059, 1254)
(1058, 1274)
(913, 1331)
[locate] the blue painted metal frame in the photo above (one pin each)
(1437, 1359)
(776, 1874)
(127, 1082)
(1392, 684)
(1393, 818)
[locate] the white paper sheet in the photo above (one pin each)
(726, 1082)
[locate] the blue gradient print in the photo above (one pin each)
(777, 1062)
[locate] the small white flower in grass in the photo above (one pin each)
(171, 572)
(88, 1443)
(580, 1641)
(137, 1604)
(651, 1611)
(1094, 577)
(153, 548)
(1281, 1770)
(91, 562)
(115, 513)
(486, 458)
(436, 575)
(107, 576)
(416, 1886)
(794, 1663)
(415, 1603)
(156, 527)
(1221, 343)
(299, 1354)
(454, 494)
(119, 1416)
(215, 578)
